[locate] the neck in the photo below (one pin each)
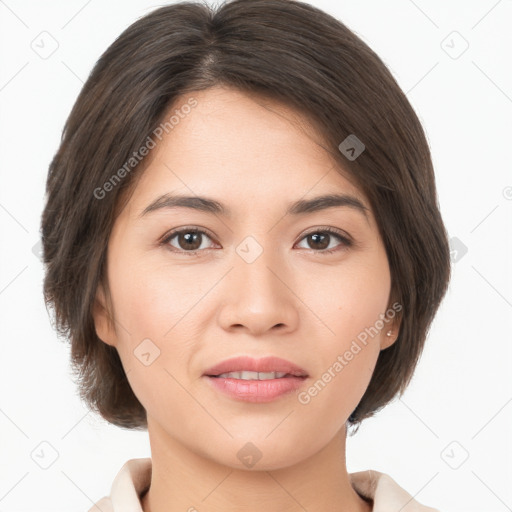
(182, 480)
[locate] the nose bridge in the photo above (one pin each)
(256, 267)
(258, 297)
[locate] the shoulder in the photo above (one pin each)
(103, 505)
(131, 481)
(386, 494)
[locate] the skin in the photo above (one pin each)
(255, 156)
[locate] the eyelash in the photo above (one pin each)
(330, 231)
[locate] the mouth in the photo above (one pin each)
(248, 375)
(248, 368)
(256, 380)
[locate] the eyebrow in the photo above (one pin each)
(300, 207)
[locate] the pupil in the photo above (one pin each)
(189, 240)
(315, 237)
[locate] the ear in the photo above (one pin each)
(390, 331)
(103, 321)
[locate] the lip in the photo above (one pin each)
(257, 391)
(264, 364)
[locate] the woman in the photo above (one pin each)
(243, 243)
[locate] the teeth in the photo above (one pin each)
(246, 375)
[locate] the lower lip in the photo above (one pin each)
(256, 390)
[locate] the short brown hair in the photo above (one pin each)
(288, 51)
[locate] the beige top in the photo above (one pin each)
(134, 479)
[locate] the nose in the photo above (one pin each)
(259, 297)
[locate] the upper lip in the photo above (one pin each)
(264, 364)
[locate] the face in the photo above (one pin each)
(193, 287)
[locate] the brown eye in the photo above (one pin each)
(186, 240)
(320, 240)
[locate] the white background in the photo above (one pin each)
(460, 401)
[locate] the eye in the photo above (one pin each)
(321, 239)
(187, 240)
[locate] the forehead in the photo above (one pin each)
(234, 146)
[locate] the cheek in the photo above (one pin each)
(159, 329)
(350, 298)
(351, 306)
(156, 323)
(152, 299)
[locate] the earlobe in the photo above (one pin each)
(102, 321)
(390, 334)
(388, 339)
